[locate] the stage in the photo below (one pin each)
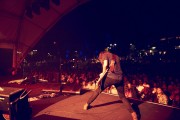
(68, 106)
(106, 107)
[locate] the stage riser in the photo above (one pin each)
(71, 89)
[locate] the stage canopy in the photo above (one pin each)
(24, 22)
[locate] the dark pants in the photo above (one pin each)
(119, 86)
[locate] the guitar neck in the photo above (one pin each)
(103, 75)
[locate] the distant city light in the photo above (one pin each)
(177, 37)
(146, 53)
(153, 48)
(164, 52)
(177, 47)
(18, 52)
(169, 38)
(108, 48)
(163, 39)
(49, 54)
(113, 45)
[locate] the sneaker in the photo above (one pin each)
(134, 116)
(86, 106)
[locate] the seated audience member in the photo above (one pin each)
(63, 78)
(153, 95)
(83, 79)
(134, 90)
(127, 87)
(161, 97)
(140, 88)
(165, 89)
(146, 91)
(153, 91)
(171, 87)
(175, 97)
(176, 101)
(70, 79)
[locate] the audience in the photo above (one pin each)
(155, 88)
(161, 97)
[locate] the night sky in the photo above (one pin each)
(98, 23)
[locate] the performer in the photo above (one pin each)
(111, 62)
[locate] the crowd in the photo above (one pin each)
(162, 90)
(155, 88)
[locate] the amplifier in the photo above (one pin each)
(8, 96)
(13, 101)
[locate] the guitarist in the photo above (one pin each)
(111, 75)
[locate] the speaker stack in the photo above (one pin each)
(14, 103)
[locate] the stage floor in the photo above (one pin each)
(105, 107)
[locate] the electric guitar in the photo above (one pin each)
(99, 81)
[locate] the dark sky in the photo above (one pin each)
(101, 22)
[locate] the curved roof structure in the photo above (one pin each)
(24, 22)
